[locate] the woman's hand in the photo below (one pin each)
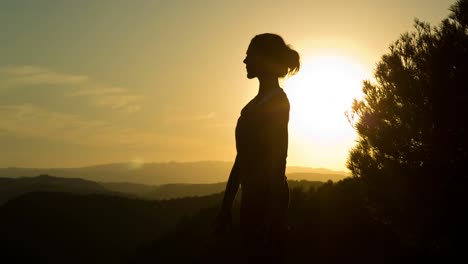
(223, 222)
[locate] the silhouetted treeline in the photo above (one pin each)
(412, 151)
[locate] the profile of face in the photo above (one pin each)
(254, 63)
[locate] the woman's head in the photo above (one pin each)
(269, 55)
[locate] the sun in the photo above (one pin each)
(319, 95)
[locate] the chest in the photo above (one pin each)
(251, 121)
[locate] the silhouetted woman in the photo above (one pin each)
(262, 145)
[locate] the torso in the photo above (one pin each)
(251, 143)
(252, 147)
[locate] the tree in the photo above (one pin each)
(412, 124)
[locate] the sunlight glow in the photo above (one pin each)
(136, 163)
(320, 94)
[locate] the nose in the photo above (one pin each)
(245, 60)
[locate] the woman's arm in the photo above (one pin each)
(224, 219)
(231, 188)
(275, 165)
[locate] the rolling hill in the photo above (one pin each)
(11, 187)
(202, 172)
(14, 187)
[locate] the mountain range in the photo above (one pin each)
(202, 172)
(14, 187)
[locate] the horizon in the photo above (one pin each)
(167, 162)
(201, 172)
(94, 82)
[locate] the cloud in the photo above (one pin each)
(128, 103)
(100, 95)
(222, 124)
(189, 118)
(32, 121)
(96, 90)
(12, 76)
(109, 97)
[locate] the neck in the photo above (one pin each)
(267, 84)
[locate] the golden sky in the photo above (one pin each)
(89, 82)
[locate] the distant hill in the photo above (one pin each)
(312, 176)
(298, 169)
(171, 191)
(165, 191)
(14, 187)
(10, 188)
(202, 172)
(136, 189)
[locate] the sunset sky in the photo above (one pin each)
(90, 82)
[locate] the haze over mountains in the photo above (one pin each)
(202, 172)
(14, 187)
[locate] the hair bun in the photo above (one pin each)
(284, 60)
(293, 61)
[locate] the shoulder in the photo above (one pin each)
(279, 102)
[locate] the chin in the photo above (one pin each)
(251, 76)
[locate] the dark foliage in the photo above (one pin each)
(412, 123)
(328, 224)
(43, 227)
